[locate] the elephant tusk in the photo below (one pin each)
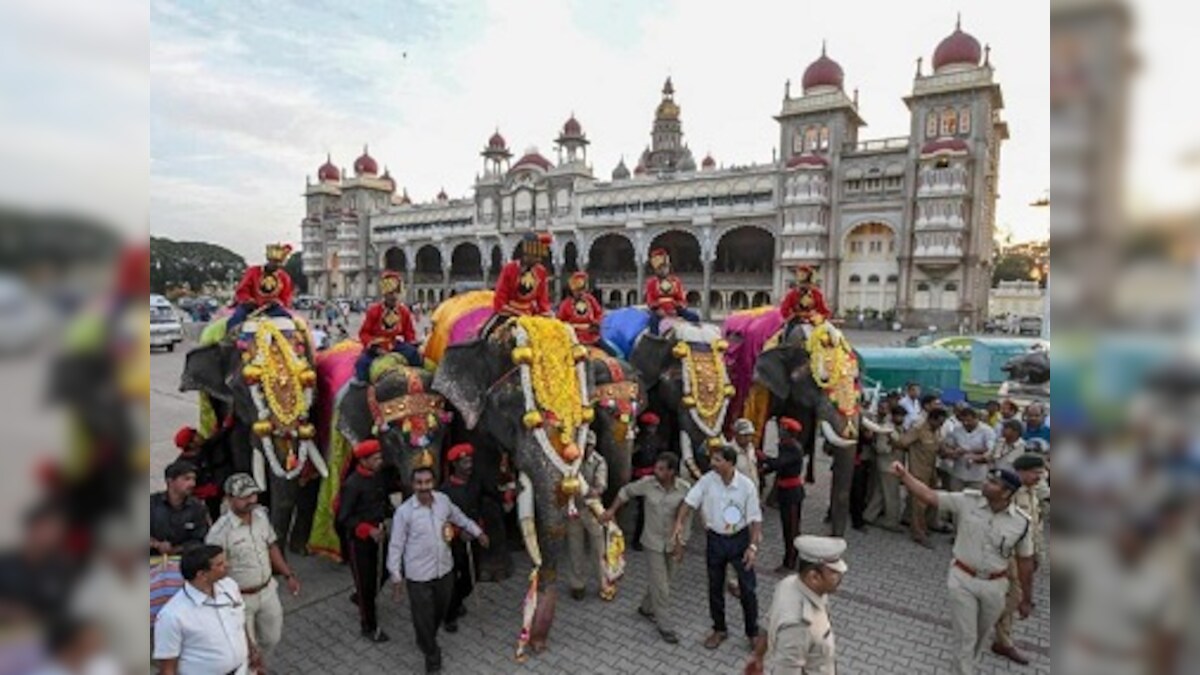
(831, 436)
(876, 428)
(258, 466)
(525, 517)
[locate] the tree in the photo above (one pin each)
(1012, 267)
(295, 269)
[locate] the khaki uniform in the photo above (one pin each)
(986, 541)
(1026, 501)
(884, 506)
(661, 506)
(585, 531)
(247, 550)
(799, 633)
(922, 445)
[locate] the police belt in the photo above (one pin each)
(253, 590)
(987, 576)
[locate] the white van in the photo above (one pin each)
(165, 328)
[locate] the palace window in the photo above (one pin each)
(964, 121)
(853, 185)
(873, 279)
(922, 286)
(873, 184)
(951, 286)
(892, 278)
(811, 139)
(893, 182)
(949, 122)
(824, 138)
(855, 279)
(931, 124)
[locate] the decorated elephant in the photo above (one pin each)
(814, 379)
(263, 377)
(617, 396)
(396, 407)
(528, 390)
(688, 386)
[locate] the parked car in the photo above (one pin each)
(1029, 325)
(24, 318)
(165, 328)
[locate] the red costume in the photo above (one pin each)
(384, 326)
(259, 288)
(805, 302)
(521, 292)
(582, 311)
(664, 287)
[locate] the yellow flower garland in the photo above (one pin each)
(707, 382)
(552, 371)
(281, 374)
(831, 355)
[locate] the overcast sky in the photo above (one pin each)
(247, 98)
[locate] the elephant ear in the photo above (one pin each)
(502, 424)
(354, 415)
(464, 377)
(650, 356)
(773, 370)
(206, 370)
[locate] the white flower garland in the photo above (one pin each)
(307, 451)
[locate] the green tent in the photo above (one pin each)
(894, 367)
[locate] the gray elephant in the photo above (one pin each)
(689, 389)
(617, 395)
(527, 389)
(264, 378)
(398, 409)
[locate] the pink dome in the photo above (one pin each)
(824, 72)
(957, 48)
(328, 172)
(572, 128)
(708, 162)
(533, 158)
(365, 164)
(496, 142)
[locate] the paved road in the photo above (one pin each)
(890, 615)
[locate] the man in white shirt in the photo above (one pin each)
(419, 553)
(202, 629)
(733, 520)
(911, 402)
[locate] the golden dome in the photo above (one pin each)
(667, 110)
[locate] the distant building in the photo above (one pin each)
(900, 224)
(1016, 298)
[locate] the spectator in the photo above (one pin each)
(1036, 424)
(969, 445)
(788, 468)
(991, 415)
(1009, 445)
(913, 404)
(176, 517)
(922, 444)
(202, 630)
(34, 578)
(75, 647)
(883, 508)
(1008, 411)
(585, 532)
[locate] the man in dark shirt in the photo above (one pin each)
(468, 493)
(212, 460)
(789, 487)
(36, 578)
(363, 507)
(177, 519)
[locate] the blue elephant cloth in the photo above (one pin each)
(620, 327)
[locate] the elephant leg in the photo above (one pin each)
(839, 493)
(283, 494)
(551, 525)
(306, 508)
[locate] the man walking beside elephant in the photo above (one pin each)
(361, 512)
(789, 487)
(585, 538)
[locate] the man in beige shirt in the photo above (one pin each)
(922, 443)
(1031, 468)
(799, 635)
(662, 494)
(991, 530)
(585, 537)
(253, 555)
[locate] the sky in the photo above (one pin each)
(247, 98)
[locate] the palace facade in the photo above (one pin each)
(897, 226)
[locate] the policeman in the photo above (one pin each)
(991, 529)
(799, 631)
(1030, 467)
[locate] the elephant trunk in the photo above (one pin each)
(832, 436)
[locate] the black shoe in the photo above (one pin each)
(462, 611)
(643, 612)
(451, 626)
(578, 593)
(668, 636)
(376, 635)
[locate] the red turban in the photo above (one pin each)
(790, 425)
(459, 451)
(366, 448)
(648, 418)
(183, 437)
